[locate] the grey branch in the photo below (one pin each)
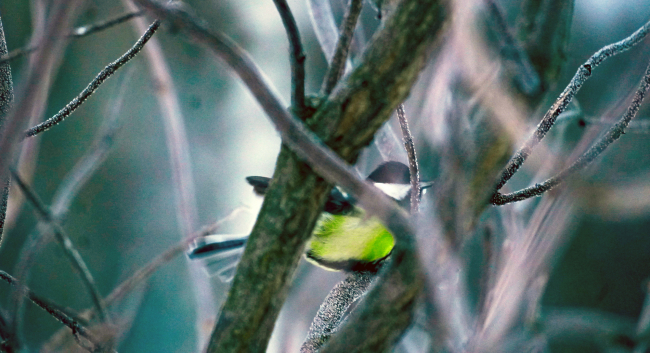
(580, 77)
(77, 329)
(332, 312)
(613, 134)
(94, 84)
(6, 99)
(297, 57)
(68, 247)
(413, 160)
(337, 66)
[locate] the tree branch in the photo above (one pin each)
(94, 84)
(71, 252)
(331, 312)
(583, 73)
(337, 66)
(613, 134)
(295, 197)
(297, 57)
(413, 160)
(6, 99)
(77, 329)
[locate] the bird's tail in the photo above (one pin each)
(219, 253)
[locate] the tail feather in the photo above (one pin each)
(219, 253)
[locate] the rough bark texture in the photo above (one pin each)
(6, 98)
(346, 122)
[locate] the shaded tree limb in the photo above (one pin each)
(295, 197)
(337, 66)
(77, 329)
(71, 252)
(78, 32)
(613, 134)
(68, 189)
(583, 73)
(6, 99)
(331, 313)
(94, 84)
(414, 170)
(297, 57)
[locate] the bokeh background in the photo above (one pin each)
(125, 215)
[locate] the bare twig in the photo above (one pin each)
(413, 160)
(94, 84)
(580, 77)
(331, 313)
(76, 33)
(77, 329)
(68, 189)
(87, 30)
(69, 249)
(297, 57)
(337, 66)
(613, 134)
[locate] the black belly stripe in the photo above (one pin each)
(210, 249)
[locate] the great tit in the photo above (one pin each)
(344, 238)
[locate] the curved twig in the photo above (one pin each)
(580, 77)
(75, 258)
(94, 84)
(613, 134)
(297, 57)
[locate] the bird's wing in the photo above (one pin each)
(219, 254)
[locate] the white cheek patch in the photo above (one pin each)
(396, 191)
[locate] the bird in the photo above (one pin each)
(345, 238)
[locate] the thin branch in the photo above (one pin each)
(297, 57)
(322, 19)
(77, 329)
(331, 313)
(580, 77)
(337, 66)
(79, 32)
(94, 84)
(72, 183)
(413, 160)
(613, 134)
(68, 248)
(92, 28)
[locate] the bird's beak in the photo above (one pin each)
(425, 185)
